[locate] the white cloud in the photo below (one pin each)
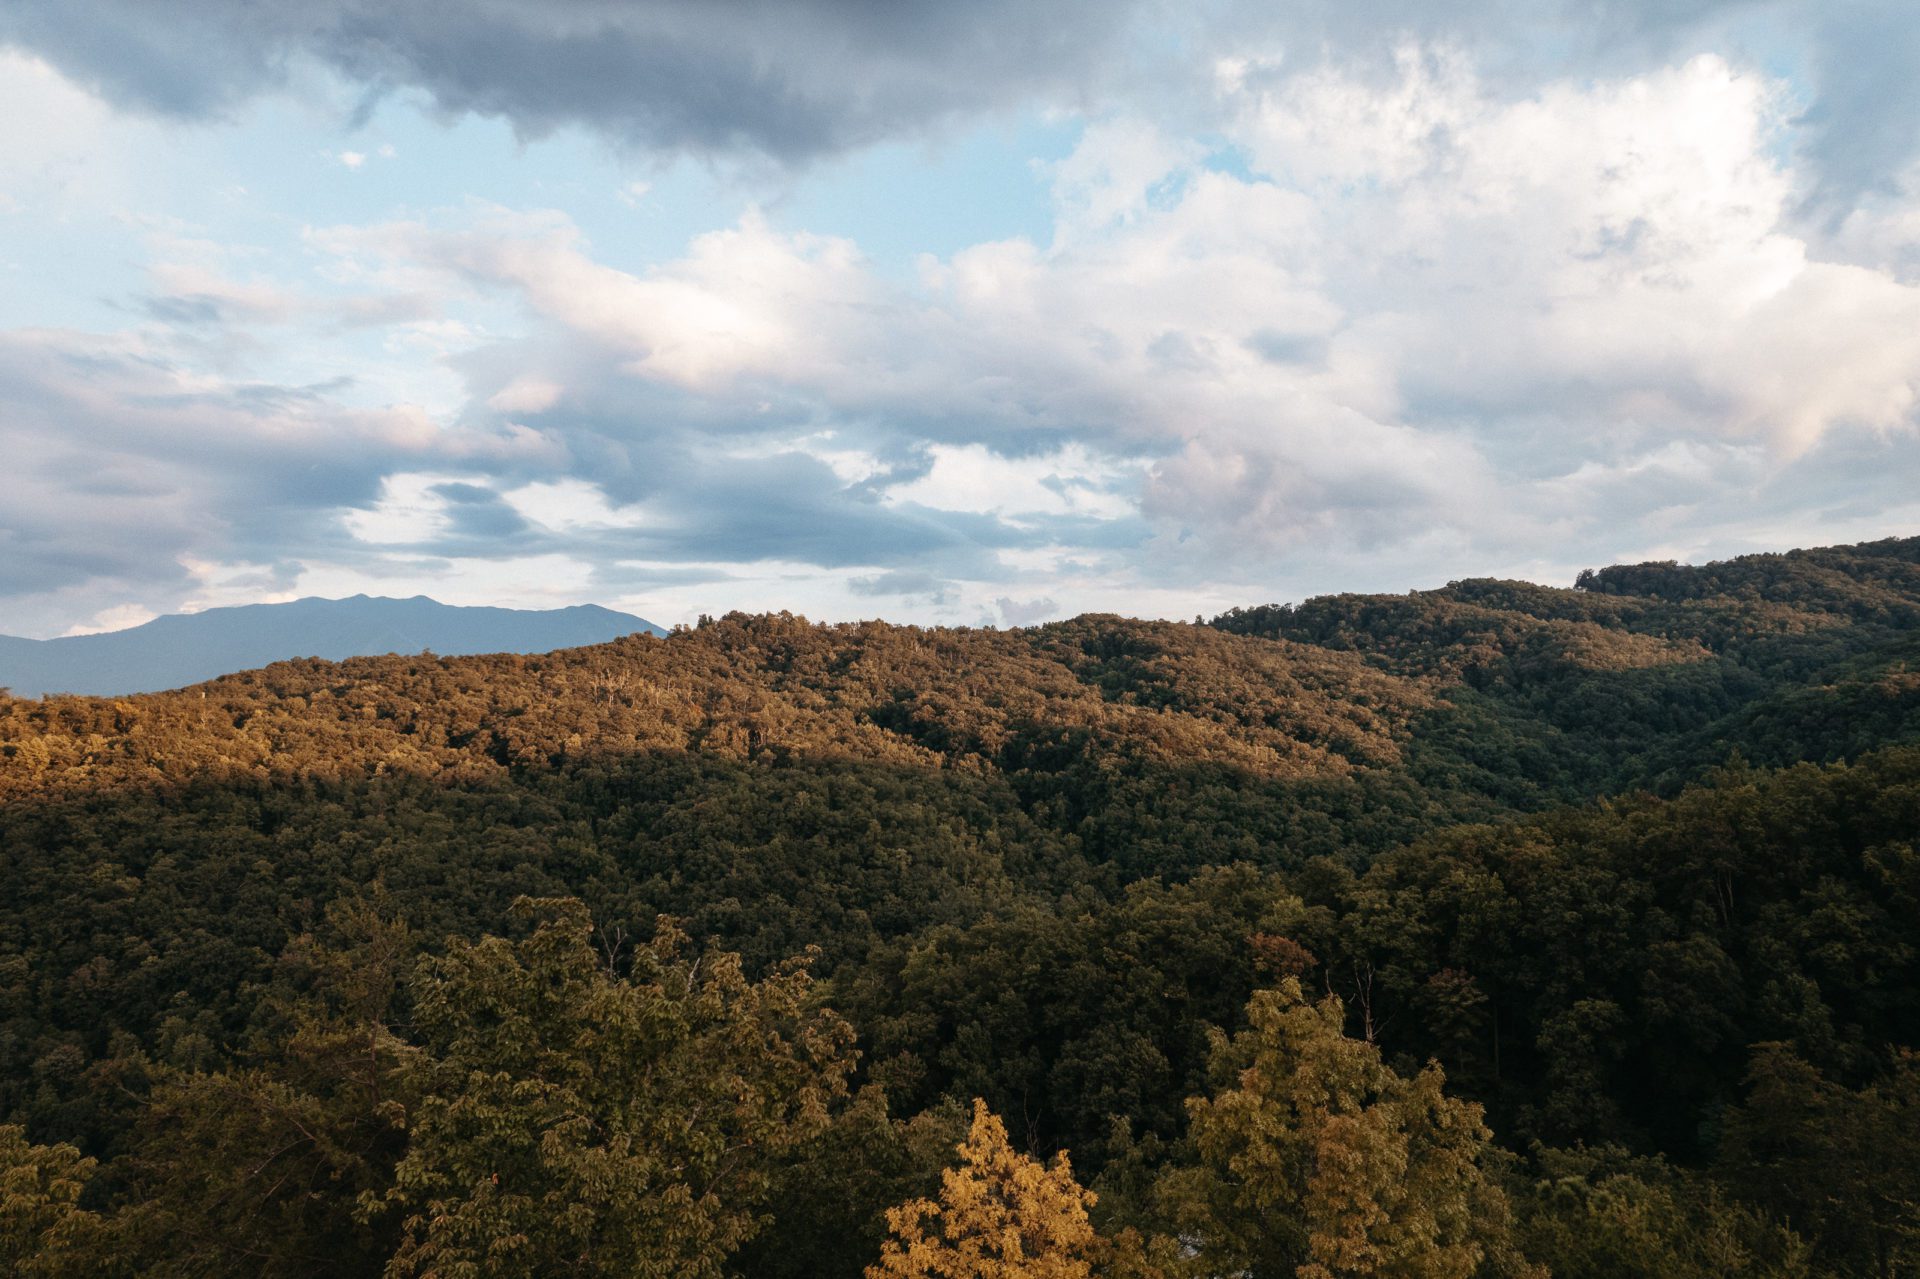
(1354, 329)
(196, 272)
(1114, 174)
(1425, 320)
(409, 510)
(973, 478)
(61, 149)
(850, 465)
(1627, 246)
(224, 584)
(744, 301)
(569, 505)
(115, 618)
(526, 395)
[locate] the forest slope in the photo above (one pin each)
(1495, 819)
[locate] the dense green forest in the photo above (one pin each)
(1497, 930)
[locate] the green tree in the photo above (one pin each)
(828, 1205)
(1841, 1165)
(1600, 1214)
(1314, 1159)
(258, 1168)
(44, 1232)
(580, 1120)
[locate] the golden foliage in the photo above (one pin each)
(1000, 1215)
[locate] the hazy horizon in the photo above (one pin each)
(194, 610)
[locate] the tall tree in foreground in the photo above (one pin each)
(257, 1168)
(1000, 1215)
(1315, 1160)
(582, 1120)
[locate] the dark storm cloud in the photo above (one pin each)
(44, 558)
(787, 78)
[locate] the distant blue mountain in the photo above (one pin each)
(170, 652)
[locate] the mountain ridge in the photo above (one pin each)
(180, 649)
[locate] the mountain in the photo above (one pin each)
(171, 652)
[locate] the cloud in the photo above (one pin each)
(1855, 66)
(1633, 241)
(789, 79)
(903, 582)
(1388, 321)
(1354, 319)
(125, 466)
(411, 510)
(62, 148)
(974, 478)
(796, 80)
(1865, 121)
(1026, 612)
(570, 504)
(1415, 313)
(117, 618)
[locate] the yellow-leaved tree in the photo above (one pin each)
(1000, 1215)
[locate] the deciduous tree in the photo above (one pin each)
(44, 1232)
(584, 1121)
(1000, 1215)
(1314, 1159)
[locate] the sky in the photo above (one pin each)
(979, 313)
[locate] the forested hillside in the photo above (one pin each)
(1494, 930)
